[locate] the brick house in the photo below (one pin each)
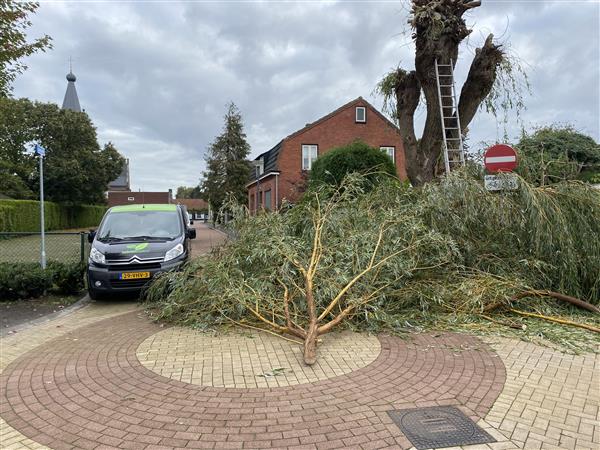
(116, 198)
(281, 172)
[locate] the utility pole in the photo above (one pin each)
(41, 151)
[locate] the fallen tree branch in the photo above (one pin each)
(557, 320)
(506, 324)
(558, 296)
(262, 329)
(543, 293)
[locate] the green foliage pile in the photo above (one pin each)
(24, 215)
(461, 250)
(29, 280)
(557, 153)
(333, 166)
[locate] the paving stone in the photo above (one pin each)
(78, 382)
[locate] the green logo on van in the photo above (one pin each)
(135, 248)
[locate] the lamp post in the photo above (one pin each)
(41, 151)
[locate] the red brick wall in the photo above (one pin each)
(266, 184)
(137, 198)
(338, 130)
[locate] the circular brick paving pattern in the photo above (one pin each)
(88, 389)
(251, 359)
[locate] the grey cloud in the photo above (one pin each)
(155, 77)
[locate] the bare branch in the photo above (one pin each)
(480, 80)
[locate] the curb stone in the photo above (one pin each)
(82, 302)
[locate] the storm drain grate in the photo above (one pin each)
(438, 427)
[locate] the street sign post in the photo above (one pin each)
(500, 158)
(41, 151)
(503, 182)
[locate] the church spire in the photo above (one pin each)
(71, 100)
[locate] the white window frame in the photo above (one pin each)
(364, 114)
(310, 152)
(390, 151)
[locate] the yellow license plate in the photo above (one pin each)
(134, 275)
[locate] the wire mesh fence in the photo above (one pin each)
(67, 247)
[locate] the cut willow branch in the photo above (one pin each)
(557, 320)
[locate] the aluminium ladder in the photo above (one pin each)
(454, 153)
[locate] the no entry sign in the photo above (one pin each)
(500, 158)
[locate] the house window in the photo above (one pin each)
(361, 114)
(390, 151)
(130, 199)
(259, 167)
(309, 154)
(268, 199)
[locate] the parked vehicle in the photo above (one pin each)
(133, 244)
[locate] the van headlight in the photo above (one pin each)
(174, 252)
(97, 256)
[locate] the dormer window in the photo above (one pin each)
(259, 167)
(361, 114)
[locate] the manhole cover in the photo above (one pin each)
(438, 427)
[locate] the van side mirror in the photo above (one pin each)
(91, 236)
(191, 233)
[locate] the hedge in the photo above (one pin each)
(333, 166)
(29, 280)
(24, 215)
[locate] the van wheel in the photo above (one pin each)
(94, 294)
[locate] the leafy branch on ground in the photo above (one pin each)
(397, 258)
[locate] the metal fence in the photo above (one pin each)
(61, 246)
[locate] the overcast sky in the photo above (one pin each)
(155, 77)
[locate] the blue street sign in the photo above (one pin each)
(38, 149)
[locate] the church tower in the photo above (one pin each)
(71, 100)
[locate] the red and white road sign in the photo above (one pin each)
(500, 158)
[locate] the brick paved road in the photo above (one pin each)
(87, 389)
(206, 238)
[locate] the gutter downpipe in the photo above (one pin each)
(276, 192)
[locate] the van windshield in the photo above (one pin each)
(148, 225)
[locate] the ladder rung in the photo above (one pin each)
(448, 96)
(445, 74)
(444, 65)
(452, 139)
(449, 128)
(446, 85)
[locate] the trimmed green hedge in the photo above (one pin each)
(24, 215)
(29, 280)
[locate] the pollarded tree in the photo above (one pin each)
(438, 29)
(227, 170)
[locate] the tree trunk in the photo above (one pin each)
(310, 344)
(433, 42)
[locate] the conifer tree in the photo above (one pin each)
(227, 170)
